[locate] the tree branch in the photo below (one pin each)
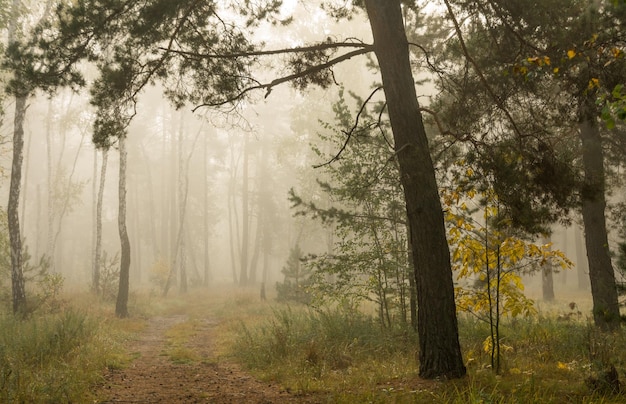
(482, 78)
(351, 131)
(271, 52)
(291, 77)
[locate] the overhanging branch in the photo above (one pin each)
(269, 86)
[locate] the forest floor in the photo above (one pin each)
(154, 377)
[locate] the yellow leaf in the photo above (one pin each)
(546, 60)
(617, 52)
(594, 82)
(555, 70)
(571, 53)
(562, 365)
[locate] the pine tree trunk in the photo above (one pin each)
(603, 288)
(121, 306)
(15, 237)
(440, 352)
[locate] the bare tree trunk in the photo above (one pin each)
(601, 274)
(50, 233)
(547, 276)
(582, 266)
(245, 213)
(205, 221)
(440, 351)
(121, 306)
(25, 190)
(233, 214)
(98, 252)
(94, 218)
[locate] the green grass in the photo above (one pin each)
(347, 357)
(54, 358)
(337, 355)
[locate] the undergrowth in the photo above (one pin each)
(347, 357)
(54, 357)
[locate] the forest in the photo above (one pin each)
(332, 201)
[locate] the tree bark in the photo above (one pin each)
(440, 352)
(17, 275)
(603, 288)
(100, 198)
(121, 306)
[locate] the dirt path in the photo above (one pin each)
(153, 378)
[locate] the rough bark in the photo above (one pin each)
(18, 290)
(601, 274)
(440, 352)
(121, 306)
(15, 237)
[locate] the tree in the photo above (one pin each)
(489, 256)
(363, 205)
(440, 353)
(121, 304)
(15, 236)
(98, 241)
(548, 92)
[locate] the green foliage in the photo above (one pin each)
(363, 200)
(51, 359)
(613, 106)
(297, 279)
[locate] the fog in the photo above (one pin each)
(212, 174)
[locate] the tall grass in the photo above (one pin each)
(53, 358)
(347, 357)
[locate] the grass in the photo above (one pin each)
(177, 338)
(57, 357)
(337, 355)
(347, 357)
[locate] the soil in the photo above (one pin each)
(153, 377)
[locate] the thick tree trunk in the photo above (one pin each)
(15, 237)
(121, 306)
(603, 288)
(440, 352)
